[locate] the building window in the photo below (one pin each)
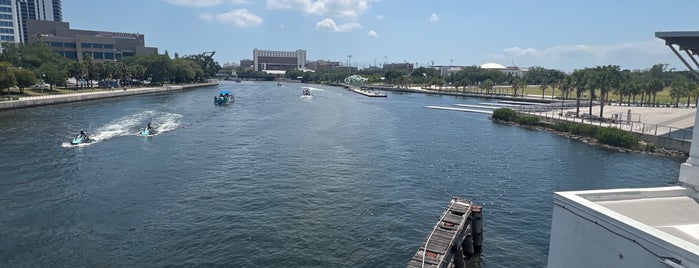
(97, 46)
(85, 45)
(108, 46)
(71, 55)
(98, 55)
(108, 56)
(56, 44)
(7, 38)
(69, 45)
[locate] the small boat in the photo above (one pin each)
(306, 91)
(238, 80)
(224, 98)
(80, 139)
(279, 84)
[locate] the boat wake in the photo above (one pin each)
(131, 125)
(314, 89)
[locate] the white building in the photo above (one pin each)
(512, 70)
(275, 61)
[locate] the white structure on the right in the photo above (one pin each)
(648, 227)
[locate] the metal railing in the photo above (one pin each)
(670, 132)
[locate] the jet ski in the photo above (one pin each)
(80, 139)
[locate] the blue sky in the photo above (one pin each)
(554, 34)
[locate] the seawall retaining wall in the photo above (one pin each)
(25, 102)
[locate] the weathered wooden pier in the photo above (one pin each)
(457, 237)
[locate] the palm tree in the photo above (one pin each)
(607, 77)
(679, 89)
(580, 85)
(654, 86)
(544, 85)
(693, 90)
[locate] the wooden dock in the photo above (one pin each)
(457, 237)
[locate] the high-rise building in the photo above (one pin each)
(48, 10)
(8, 27)
(15, 13)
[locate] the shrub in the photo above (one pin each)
(562, 127)
(583, 130)
(504, 114)
(528, 120)
(616, 137)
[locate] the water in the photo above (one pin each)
(280, 180)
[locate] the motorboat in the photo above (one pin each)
(224, 98)
(306, 91)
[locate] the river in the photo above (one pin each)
(280, 180)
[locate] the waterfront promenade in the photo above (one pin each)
(87, 94)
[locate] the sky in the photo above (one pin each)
(554, 34)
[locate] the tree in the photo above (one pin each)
(678, 89)
(7, 78)
(654, 86)
(692, 89)
(25, 78)
(52, 74)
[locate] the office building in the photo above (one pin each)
(76, 44)
(278, 61)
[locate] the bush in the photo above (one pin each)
(504, 114)
(561, 127)
(616, 137)
(583, 130)
(528, 120)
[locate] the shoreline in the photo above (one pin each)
(34, 101)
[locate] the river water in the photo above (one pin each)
(280, 180)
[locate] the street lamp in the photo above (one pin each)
(43, 77)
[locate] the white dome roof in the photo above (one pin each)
(492, 65)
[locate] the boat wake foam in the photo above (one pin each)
(131, 125)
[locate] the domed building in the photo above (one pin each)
(492, 65)
(513, 70)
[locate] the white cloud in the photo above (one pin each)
(379, 17)
(372, 33)
(647, 47)
(241, 18)
(331, 8)
(329, 24)
(205, 3)
(631, 55)
(434, 17)
(195, 3)
(206, 16)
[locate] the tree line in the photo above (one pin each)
(23, 65)
(597, 82)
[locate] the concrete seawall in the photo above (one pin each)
(25, 102)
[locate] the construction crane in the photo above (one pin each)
(211, 54)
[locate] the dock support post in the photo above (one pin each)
(458, 252)
(477, 215)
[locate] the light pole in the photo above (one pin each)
(43, 77)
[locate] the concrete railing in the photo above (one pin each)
(32, 101)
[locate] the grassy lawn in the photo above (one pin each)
(662, 96)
